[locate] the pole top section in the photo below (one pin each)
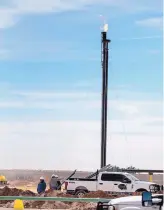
(105, 28)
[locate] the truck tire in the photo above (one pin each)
(80, 193)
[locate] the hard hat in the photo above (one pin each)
(3, 178)
(41, 178)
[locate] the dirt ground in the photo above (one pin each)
(6, 191)
(24, 185)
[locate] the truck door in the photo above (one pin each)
(105, 183)
(114, 183)
(122, 183)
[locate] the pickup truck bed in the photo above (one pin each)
(82, 179)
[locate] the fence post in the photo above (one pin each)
(150, 177)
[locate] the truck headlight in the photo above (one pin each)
(111, 208)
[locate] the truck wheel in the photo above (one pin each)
(80, 193)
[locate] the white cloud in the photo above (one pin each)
(42, 6)
(11, 104)
(130, 109)
(142, 38)
(28, 138)
(155, 22)
(47, 51)
(82, 109)
(3, 54)
(59, 95)
(77, 100)
(81, 100)
(94, 82)
(7, 18)
(74, 144)
(48, 6)
(16, 8)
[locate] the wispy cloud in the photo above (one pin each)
(128, 106)
(142, 38)
(11, 104)
(154, 52)
(7, 18)
(155, 22)
(58, 95)
(48, 51)
(79, 136)
(138, 98)
(4, 54)
(130, 109)
(78, 104)
(15, 8)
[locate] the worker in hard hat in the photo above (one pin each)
(3, 180)
(54, 182)
(41, 186)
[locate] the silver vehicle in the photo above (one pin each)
(144, 202)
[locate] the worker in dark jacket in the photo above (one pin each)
(54, 182)
(41, 186)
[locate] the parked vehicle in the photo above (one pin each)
(111, 182)
(133, 203)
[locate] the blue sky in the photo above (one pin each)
(50, 82)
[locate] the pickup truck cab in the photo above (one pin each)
(132, 202)
(110, 182)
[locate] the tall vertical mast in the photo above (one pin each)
(104, 61)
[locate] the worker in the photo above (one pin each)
(41, 186)
(54, 182)
(3, 180)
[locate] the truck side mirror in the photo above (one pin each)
(147, 199)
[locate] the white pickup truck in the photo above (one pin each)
(111, 182)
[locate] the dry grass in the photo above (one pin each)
(26, 187)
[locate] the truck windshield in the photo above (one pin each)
(132, 177)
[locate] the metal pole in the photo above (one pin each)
(103, 98)
(105, 42)
(106, 101)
